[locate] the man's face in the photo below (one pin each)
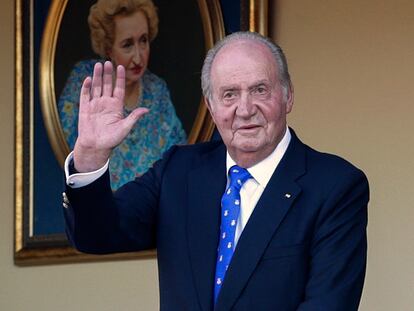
(248, 105)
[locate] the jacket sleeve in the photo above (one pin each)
(339, 247)
(99, 221)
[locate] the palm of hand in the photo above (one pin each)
(102, 124)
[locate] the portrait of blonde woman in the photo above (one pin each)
(121, 31)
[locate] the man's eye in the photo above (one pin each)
(261, 90)
(229, 95)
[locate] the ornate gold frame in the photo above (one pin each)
(28, 250)
(258, 16)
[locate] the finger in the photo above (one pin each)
(133, 117)
(107, 79)
(119, 90)
(138, 113)
(85, 94)
(97, 81)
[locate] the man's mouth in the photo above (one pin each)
(248, 128)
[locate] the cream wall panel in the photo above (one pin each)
(352, 65)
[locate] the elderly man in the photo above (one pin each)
(259, 221)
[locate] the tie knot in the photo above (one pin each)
(238, 176)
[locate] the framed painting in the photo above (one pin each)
(52, 37)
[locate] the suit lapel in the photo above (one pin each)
(206, 184)
(277, 198)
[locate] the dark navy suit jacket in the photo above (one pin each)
(303, 248)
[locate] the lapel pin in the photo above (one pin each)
(287, 195)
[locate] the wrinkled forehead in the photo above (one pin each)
(245, 56)
(241, 49)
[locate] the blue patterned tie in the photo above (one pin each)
(230, 208)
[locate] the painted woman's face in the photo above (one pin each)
(131, 45)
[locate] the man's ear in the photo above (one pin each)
(289, 99)
(207, 102)
(209, 107)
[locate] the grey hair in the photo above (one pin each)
(279, 57)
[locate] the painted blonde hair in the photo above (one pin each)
(102, 25)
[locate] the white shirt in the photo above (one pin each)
(252, 189)
(250, 192)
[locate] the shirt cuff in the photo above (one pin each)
(78, 180)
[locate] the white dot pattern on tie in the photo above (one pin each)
(230, 206)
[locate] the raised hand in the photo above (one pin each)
(102, 125)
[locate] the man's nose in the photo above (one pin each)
(246, 107)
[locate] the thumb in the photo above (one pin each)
(133, 117)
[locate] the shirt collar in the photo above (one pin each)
(263, 171)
